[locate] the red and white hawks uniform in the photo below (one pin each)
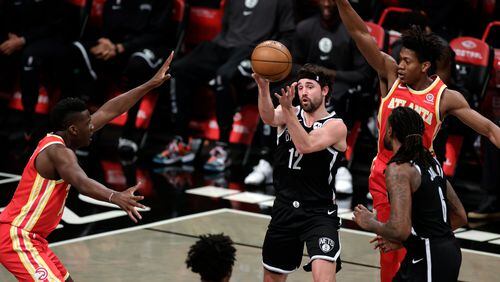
(426, 103)
(34, 212)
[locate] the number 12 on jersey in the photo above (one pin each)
(294, 155)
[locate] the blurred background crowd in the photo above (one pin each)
(207, 114)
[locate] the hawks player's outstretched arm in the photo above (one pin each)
(332, 133)
(268, 114)
(456, 211)
(66, 165)
(384, 64)
(125, 101)
(399, 186)
(454, 103)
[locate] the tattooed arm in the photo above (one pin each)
(398, 178)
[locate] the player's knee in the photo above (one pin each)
(323, 271)
(270, 276)
(224, 76)
(137, 67)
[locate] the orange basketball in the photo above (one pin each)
(272, 60)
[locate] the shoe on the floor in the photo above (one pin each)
(175, 152)
(219, 159)
(343, 181)
(262, 173)
(488, 209)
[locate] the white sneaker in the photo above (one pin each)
(263, 172)
(343, 181)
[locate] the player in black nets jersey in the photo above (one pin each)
(424, 208)
(310, 140)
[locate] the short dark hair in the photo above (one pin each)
(212, 256)
(314, 72)
(427, 46)
(63, 112)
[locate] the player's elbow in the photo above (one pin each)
(267, 118)
(493, 134)
(268, 121)
(461, 220)
(301, 150)
(305, 148)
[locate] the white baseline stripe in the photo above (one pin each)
(4, 174)
(140, 227)
(8, 180)
(224, 210)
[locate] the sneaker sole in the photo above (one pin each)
(188, 158)
(213, 169)
(168, 162)
(475, 215)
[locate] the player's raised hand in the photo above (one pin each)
(261, 82)
(129, 202)
(286, 97)
(162, 74)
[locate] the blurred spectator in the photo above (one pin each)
(134, 40)
(305, 8)
(245, 24)
(444, 15)
(31, 40)
(323, 40)
(213, 257)
(489, 207)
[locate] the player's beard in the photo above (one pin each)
(311, 105)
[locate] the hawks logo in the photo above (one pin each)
(326, 244)
(429, 98)
(41, 273)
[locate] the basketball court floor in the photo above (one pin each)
(97, 242)
(157, 251)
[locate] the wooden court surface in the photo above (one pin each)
(157, 252)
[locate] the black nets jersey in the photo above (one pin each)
(429, 204)
(307, 178)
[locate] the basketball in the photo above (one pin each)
(272, 60)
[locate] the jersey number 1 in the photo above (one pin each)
(294, 154)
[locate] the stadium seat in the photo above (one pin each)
(473, 62)
(389, 21)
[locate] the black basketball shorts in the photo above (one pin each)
(431, 260)
(293, 225)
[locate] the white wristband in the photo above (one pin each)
(111, 196)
